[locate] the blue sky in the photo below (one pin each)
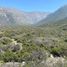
(34, 5)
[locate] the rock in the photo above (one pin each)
(23, 64)
(13, 64)
(55, 62)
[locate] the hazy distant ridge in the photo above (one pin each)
(13, 16)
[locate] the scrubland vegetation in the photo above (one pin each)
(34, 45)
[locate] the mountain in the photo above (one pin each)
(12, 16)
(58, 15)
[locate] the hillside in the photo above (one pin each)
(13, 16)
(38, 47)
(57, 16)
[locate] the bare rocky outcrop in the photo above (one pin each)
(49, 62)
(13, 64)
(52, 62)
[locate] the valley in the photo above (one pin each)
(42, 44)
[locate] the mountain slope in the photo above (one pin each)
(56, 16)
(13, 16)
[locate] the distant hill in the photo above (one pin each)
(55, 17)
(12, 16)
